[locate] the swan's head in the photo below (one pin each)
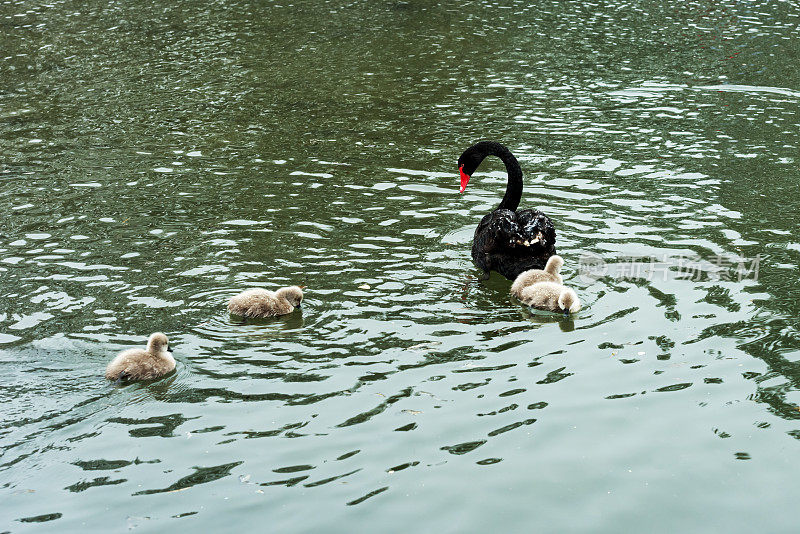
(293, 294)
(157, 343)
(470, 160)
(568, 301)
(554, 264)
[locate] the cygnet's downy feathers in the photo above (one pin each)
(550, 296)
(259, 303)
(138, 364)
(550, 273)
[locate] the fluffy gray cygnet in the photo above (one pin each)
(550, 296)
(138, 364)
(550, 273)
(259, 303)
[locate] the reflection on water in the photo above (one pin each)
(159, 159)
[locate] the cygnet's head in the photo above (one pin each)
(568, 301)
(294, 294)
(158, 342)
(554, 264)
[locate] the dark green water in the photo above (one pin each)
(159, 157)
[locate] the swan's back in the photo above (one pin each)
(501, 243)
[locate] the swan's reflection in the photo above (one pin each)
(565, 322)
(268, 326)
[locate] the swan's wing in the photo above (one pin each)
(526, 217)
(531, 222)
(495, 231)
(498, 221)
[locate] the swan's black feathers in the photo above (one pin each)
(497, 232)
(509, 241)
(533, 222)
(499, 242)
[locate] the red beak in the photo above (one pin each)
(464, 178)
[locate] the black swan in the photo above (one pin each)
(506, 240)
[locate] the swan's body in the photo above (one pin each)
(549, 274)
(259, 303)
(550, 296)
(506, 240)
(138, 364)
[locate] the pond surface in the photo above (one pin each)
(159, 157)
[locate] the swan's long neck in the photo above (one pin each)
(514, 188)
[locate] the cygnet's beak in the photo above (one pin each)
(169, 348)
(566, 313)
